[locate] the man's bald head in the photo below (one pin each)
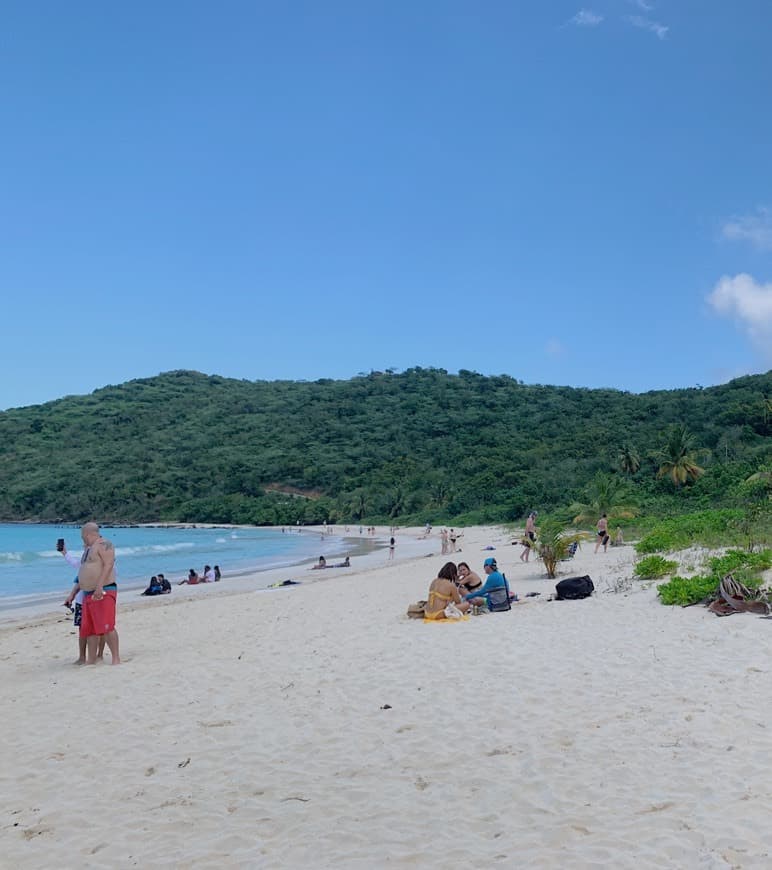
(89, 532)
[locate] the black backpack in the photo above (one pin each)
(574, 587)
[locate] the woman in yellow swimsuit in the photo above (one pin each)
(442, 591)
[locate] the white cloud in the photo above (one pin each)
(586, 18)
(554, 347)
(643, 4)
(647, 24)
(750, 303)
(755, 228)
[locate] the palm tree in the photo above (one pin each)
(628, 458)
(606, 494)
(678, 456)
(553, 544)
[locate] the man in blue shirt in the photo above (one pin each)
(494, 580)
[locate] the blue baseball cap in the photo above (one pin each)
(490, 561)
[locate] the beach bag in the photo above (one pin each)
(498, 599)
(573, 588)
(416, 611)
(452, 612)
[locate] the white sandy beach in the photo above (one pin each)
(317, 726)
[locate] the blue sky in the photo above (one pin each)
(567, 193)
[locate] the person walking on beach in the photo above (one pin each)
(603, 536)
(392, 544)
(530, 536)
(96, 577)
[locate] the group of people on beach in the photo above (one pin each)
(159, 585)
(457, 589)
(322, 563)
(208, 575)
(603, 538)
(449, 540)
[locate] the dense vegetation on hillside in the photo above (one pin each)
(414, 446)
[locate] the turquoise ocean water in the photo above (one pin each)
(31, 570)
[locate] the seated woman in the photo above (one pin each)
(155, 587)
(442, 591)
(468, 580)
(322, 563)
(191, 579)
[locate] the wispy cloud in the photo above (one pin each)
(643, 4)
(648, 24)
(750, 303)
(753, 228)
(586, 18)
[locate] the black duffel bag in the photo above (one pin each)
(574, 587)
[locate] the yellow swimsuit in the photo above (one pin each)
(436, 614)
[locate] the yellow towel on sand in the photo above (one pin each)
(446, 620)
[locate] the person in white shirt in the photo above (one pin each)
(208, 575)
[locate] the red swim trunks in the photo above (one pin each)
(98, 617)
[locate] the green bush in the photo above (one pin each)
(654, 566)
(687, 590)
(708, 528)
(734, 559)
(692, 590)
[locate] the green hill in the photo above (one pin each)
(420, 445)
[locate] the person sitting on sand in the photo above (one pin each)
(166, 586)
(218, 573)
(346, 563)
(468, 580)
(494, 580)
(443, 591)
(155, 587)
(322, 563)
(191, 579)
(208, 575)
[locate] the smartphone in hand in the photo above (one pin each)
(60, 545)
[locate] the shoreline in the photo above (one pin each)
(239, 581)
(306, 727)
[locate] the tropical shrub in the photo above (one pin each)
(713, 528)
(553, 543)
(744, 566)
(688, 590)
(734, 559)
(654, 566)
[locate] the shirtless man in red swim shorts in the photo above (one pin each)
(96, 577)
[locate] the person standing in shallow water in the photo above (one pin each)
(96, 577)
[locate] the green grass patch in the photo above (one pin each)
(744, 566)
(687, 590)
(714, 528)
(733, 560)
(654, 566)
